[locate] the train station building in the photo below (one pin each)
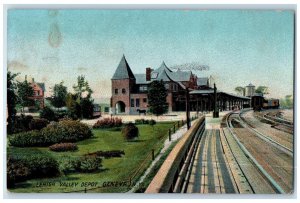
(129, 90)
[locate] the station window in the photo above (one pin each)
(116, 91)
(175, 88)
(145, 100)
(143, 88)
(123, 91)
(137, 103)
(132, 102)
(167, 86)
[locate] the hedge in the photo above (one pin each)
(108, 123)
(57, 132)
(63, 147)
(21, 168)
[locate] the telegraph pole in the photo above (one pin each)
(187, 105)
(216, 110)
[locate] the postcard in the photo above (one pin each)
(150, 101)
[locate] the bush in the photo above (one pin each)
(89, 164)
(38, 124)
(108, 154)
(21, 168)
(63, 131)
(144, 121)
(84, 164)
(108, 123)
(48, 114)
(141, 121)
(152, 122)
(63, 147)
(130, 131)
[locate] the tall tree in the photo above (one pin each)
(240, 90)
(25, 92)
(82, 87)
(11, 101)
(262, 89)
(74, 108)
(157, 95)
(58, 98)
(86, 103)
(289, 101)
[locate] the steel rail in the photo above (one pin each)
(269, 178)
(279, 146)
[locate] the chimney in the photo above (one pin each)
(25, 77)
(32, 80)
(148, 74)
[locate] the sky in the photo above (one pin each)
(239, 46)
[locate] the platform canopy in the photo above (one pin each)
(219, 93)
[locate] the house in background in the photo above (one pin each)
(38, 93)
(129, 90)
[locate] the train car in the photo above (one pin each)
(258, 103)
(97, 111)
(271, 104)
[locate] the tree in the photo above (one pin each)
(73, 107)
(58, 99)
(82, 87)
(289, 101)
(25, 92)
(262, 90)
(11, 101)
(87, 107)
(86, 103)
(157, 95)
(240, 90)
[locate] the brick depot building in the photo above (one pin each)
(129, 91)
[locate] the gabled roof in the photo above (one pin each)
(202, 81)
(180, 76)
(166, 74)
(42, 86)
(123, 71)
(141, 79)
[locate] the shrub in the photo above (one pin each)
(38, 124)
(108, 154)
(141, 121)
(63, 131)
(63, 147)
(89, 164)
(144, 121)
(130, 131)
(21, 168)
(48, 114)
(84, 164)
(152, 122)
(108, 123)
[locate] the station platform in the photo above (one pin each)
(214, 123)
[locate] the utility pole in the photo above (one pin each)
(187, 105)
(216, 110)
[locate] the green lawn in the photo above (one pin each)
(116, 170)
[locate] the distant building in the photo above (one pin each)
(129, 90)
(38, 93)
(249, 90)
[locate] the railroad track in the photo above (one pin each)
(273, 160)
(267, 138)
(219, 163)
(277, 122)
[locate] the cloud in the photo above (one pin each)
(17, 66)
